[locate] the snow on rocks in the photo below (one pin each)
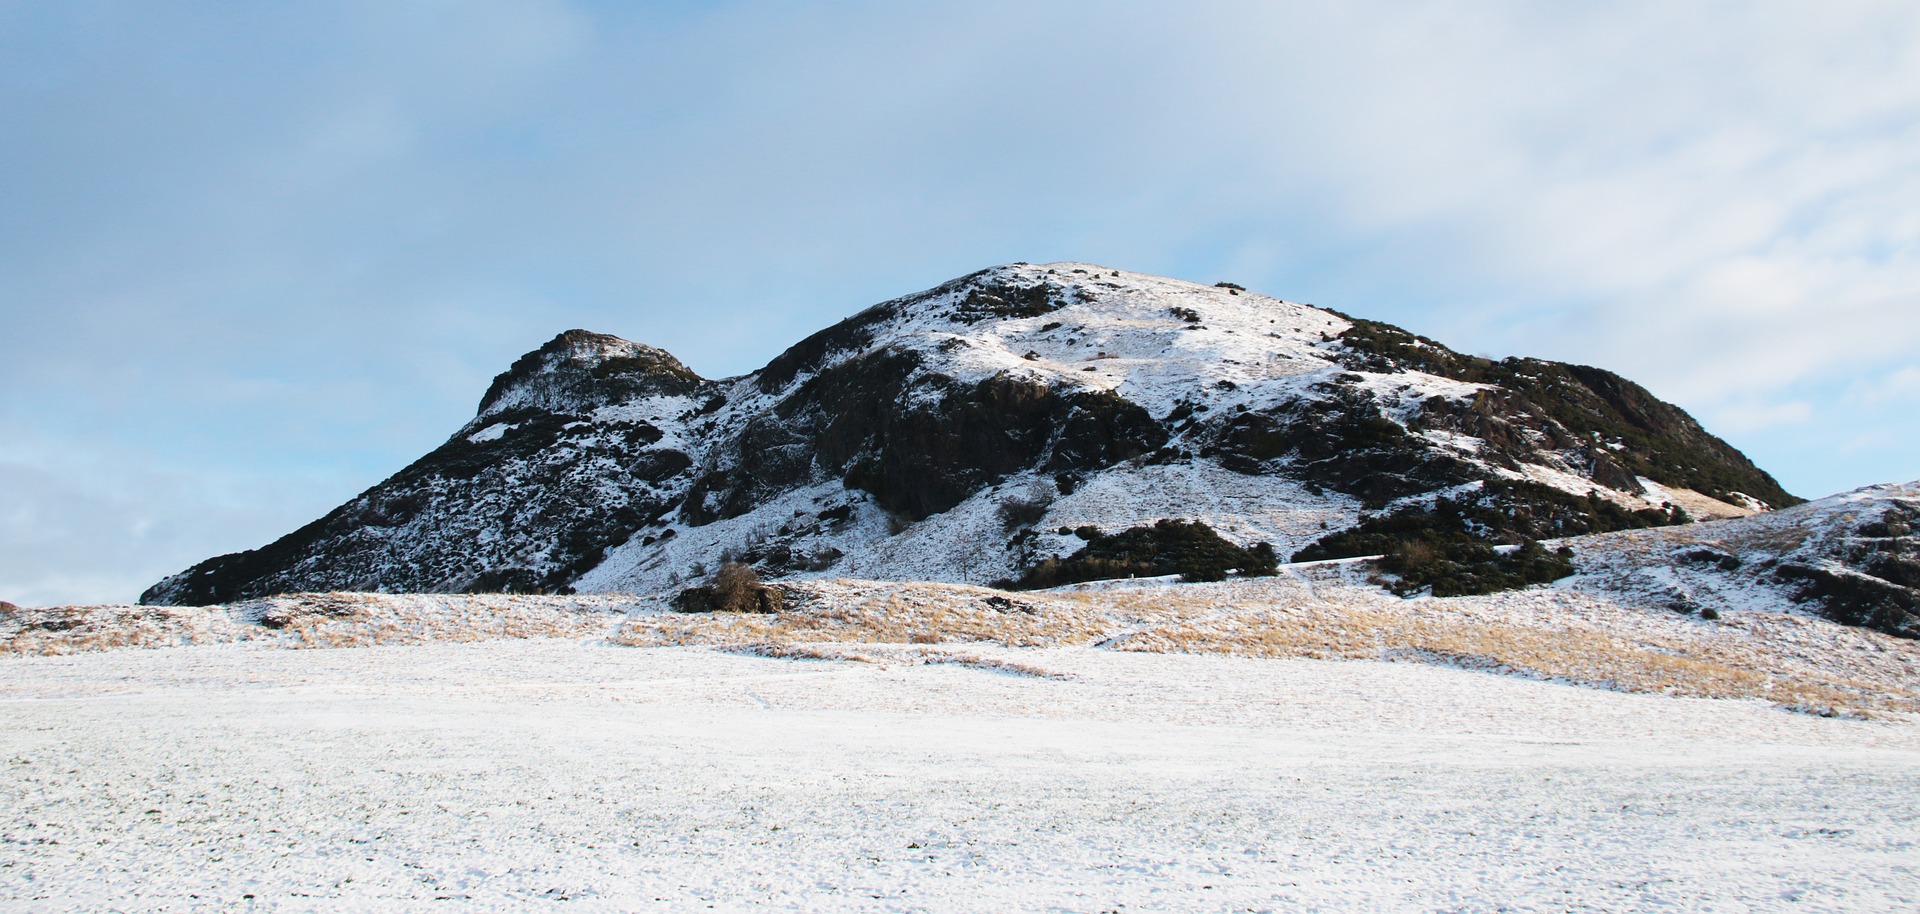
(1852, 557)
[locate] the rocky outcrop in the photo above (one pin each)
(1341, 440)
(578, 371)
(1852, 558)
(919, 442)
(1867, 576)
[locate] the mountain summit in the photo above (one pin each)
(1018, 418)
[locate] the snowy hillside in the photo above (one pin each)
(1853, 558)
(967, 432)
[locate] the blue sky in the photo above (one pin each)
(254, 258)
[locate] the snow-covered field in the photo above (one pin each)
(573, 774)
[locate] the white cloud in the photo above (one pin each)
(1899, 387)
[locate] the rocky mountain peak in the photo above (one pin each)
(579, 371)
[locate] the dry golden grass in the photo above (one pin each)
(82, 629)
(1790, 661)
(1574, 655)
(360, 620)
(1794, 661)
(330, 620)
(874, 613)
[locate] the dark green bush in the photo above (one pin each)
(1458, 565)
(1448, 547)
(1190, 549)
(1498, 511)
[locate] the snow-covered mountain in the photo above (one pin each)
(967, 432)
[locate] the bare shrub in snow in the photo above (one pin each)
(736, 588)
(1025, 508)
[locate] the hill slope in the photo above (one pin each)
(968, 432)
(1853, 558)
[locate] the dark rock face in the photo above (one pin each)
(1342, 442)
(916, 406)
(926, 458)
(1856, 598)
(919, 441)
(1614, 425)
(851, 335)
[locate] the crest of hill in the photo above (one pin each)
(580, 368)
(972, 431)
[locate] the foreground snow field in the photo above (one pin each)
(578, 775)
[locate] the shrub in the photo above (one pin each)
(1190, 549)
(736, 588)
(1026, 507)
(1499, 511)
(1458, 565)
